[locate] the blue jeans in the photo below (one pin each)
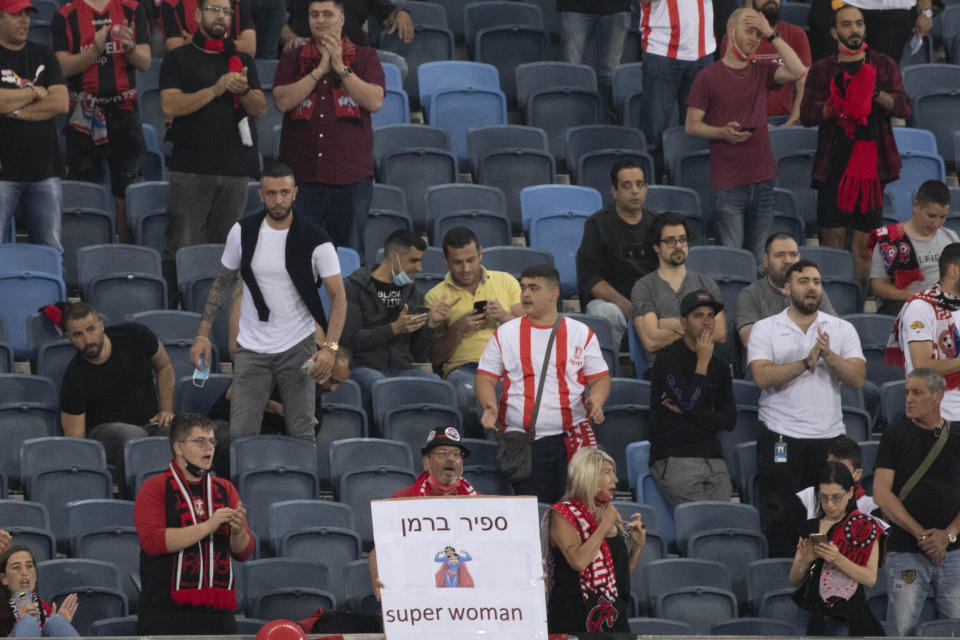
(341, 209)
(612, 314)
(604, 32)
(744, 216)
(42, 202)
(56, 626)
(463, 378)
(366, 376)
(911, 578)
(269, 16)
(666, 84)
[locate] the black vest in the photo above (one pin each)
(304, 236)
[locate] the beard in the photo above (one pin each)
(847, 41)
(771, 11)
(278, 213)
(804, 305)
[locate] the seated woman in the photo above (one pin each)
(589, 563)
(837, 555)
(22, 613)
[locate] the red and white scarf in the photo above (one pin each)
(946, 342)
(423, 487)
(599, 575)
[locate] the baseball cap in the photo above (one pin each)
(699, 298)
(444, 436)
(16, 6)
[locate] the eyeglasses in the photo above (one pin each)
(446, 453)
(840, 497)
(227, 11)
(672, 242)
(203, 442)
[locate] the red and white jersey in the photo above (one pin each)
(515, 353)
(680, 29)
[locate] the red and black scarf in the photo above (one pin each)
(855, 537)
(851, 100)
(202, 573)
(423, 487)
(225, 46)
(598, 581)
(897, 253)
(308, 59)
(946, 342)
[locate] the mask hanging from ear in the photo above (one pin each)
(851, 52)
(400, 279)
(741, 56)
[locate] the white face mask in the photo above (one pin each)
(400, 279)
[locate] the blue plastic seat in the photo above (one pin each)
(311, 529)
(287, 588)
(933, 89)
(169, 324)
(352, 453)
(147, 205)
(704, 515)
(33, 258)
(112, 627)
(786, 216)
(735, 547)
(912, 139)
(556, 96)
(754, 627)
(892, 399)
(198, 260)
(430, 43)
(81, 227)
(360, 486)
(482, 208)
(659, 627)
(508, 47)
(395, 108)
(411, 422)
(845, 295)
(482, 141)
(358, 594)
(415, 170)
(391, 394)
(514, 260)
(794, 148)
(96, 583)
(24, 292)
(381, 222)
(85, 195)
(723, 262)
(700, 607)
(26, 412)
(512, 171)
(670, 574)
(592, 149)
(833, 263)
(548, 200)
(121, 279)
(6, 351)
(104, 530)
(455, 109)
(267, 469)
(627, 85)
(682, 200)
(144, 458)
(28, 524)
(918, 167)
(497, 13)
(746, 468)
(561, 233)
(764, 576)
(192, 399)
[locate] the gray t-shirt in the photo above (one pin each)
(761, 300)
(651, 293)
(928, 256)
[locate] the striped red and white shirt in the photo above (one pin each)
(515, 353)
(680, 29)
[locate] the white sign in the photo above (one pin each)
(460, 565)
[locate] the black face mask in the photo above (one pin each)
(194, 469)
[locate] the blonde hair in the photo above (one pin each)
(583, 475)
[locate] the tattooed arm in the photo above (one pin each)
(220, 291)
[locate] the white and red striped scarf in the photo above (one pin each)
(422, 487)
(599, 575)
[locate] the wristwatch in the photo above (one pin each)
(926, 13)
(951, 536)
(347, 71)
(773, 36)
(330, 344)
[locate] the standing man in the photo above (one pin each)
(728, 107)
(101, 44)
(692, 396)
(785, 99)
(655, 298)
(615, 251)
(480, 300)
(916, 482)
(891, 24)
(356, 12)
(602, 25)
(851, 96)
(770, 295)
(678, 41)
(327, 90)
(179, 21)
(211, 91)
(191, 523)
(905, 255)
(926, 333)
(32, 92)
(281, 257)
(516, 353)
(799, 358)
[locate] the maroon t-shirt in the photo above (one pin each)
(780, 100)
(737, 95)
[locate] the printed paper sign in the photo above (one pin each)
(458, 566)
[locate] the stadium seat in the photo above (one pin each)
(949, 628)
(659, 627)
(144, 458)
(786, 216)
(311, 529)
(415, 169)
(662, 198)
(497, 13)
(395, 108)
(32, 258)
(627, 85)
(112, 627)
(655, 548)
(388, 213)
(512, 171)
(910, 139)
(677, 143)
(411, 423)
(670, 574)
(286, 588)
(604, 333)
(561, 233)
(359, 486)
(267, 469)
(514, 260)
(918, 167)
(746, 469)
(430, 43)
(391, 394)
(933, 89)
(484, 140)
(339, 422)
(541, 201)
(28, 524)
(147, 212)
(357, 592)
(81, 227)
(121, 279)
(764, 576)
(705, 515)
(169, 324)
(700, 607)
(23, 293)
(192, 399)
(28, 410)
(591, 151)
(481, 208)
(723, 262)
(96, 583)
(845, 295)
(104, 530)
(6, 351)
(735, 547)
(198, 260)
(85, 195)
(833, 263)
(753, 627)
(794, 148)
(892, 399)
(354, 453)
(508, 47)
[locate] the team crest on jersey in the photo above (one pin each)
(916, 325)
(576, 360)
(198, 507)
(949, 341)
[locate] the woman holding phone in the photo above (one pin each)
(837, 555)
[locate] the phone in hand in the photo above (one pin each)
(480, 306)
(818, 538)
(748, 129)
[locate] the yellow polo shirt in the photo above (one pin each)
(494, 285)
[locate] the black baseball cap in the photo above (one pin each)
(444, 436)
(699, 298)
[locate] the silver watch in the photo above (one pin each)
(951, 536)
(926, 13)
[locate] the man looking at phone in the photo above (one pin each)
(480, 301)
(728, 106)
(388, 328)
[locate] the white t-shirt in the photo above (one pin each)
(678, 29)
(290, 320)
(882, 5)
(918, 323)
(515, 352)
(808, 406)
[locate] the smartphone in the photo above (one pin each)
(480, 306)
(748, 129)
(818, 538)
(420, 315)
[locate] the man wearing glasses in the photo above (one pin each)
(655, 298)
(212, 93)
(179, 21)
(191, 523)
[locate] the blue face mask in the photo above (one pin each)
(400, 279)
(201, 375)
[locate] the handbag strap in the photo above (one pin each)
(532, 431)
(927, 461)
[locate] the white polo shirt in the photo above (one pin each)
(808, 406)
(918, 323)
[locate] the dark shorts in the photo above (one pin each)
(123, 152)
(830, 217)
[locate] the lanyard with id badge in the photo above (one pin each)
(780, 450)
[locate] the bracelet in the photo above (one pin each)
(203, 338)
(773, 36)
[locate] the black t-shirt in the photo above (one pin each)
(122, 389)
(390, 296)
(29, 151)
(177, 16)
(935, 500)
(207, 141)
(593, 6)
(615, 251)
